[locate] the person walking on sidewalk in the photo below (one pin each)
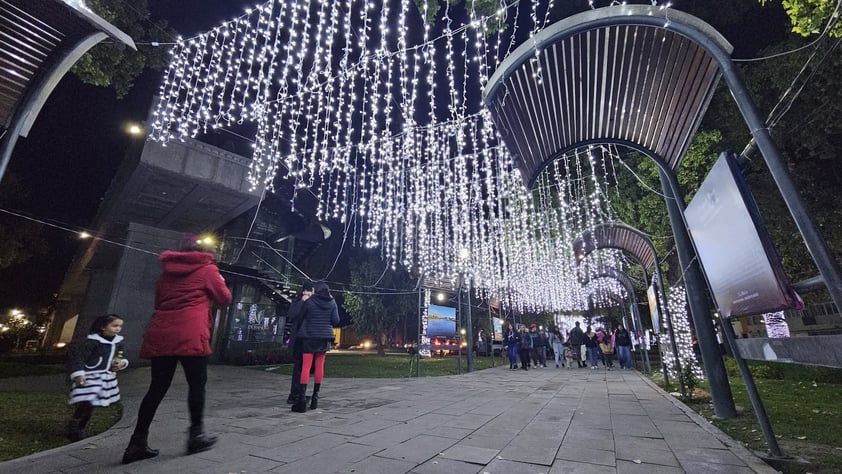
(577, 338)
(180, 332)
(623, 344)
(511, 346)
(524, 345)
(556, 341)
(92, 364)
(294, 317)
(319, 316)
(592, 346)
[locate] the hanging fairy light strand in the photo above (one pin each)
(391, 139)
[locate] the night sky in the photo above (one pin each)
(77, 142)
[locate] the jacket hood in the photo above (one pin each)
(322, 302)
(183, 263)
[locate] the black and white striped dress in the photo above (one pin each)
(93, 358)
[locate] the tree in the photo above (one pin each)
(379, 298)
(20, 238)
(809, 17)
(107, 66)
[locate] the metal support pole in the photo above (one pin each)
(458, 332)
(469, 332)
(700, 312)
(751, 388)
(491, 325)
(420, 335)
(824, 260)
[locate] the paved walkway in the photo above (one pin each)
(491, 421)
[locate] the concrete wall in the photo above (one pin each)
(129, 289)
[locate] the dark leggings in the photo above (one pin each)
(83, 411)
(163, 370)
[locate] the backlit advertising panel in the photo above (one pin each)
(741, 264)
(441, 321)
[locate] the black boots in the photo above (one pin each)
(199, 441)
(300, 405)
(314, 400)
(138, 449)
(76, 429)
(293, 393)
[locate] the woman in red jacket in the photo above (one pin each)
(180, 332)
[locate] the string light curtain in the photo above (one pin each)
(377, 111)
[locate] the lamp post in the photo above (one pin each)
(464, 255)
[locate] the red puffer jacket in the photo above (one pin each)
(181, 324)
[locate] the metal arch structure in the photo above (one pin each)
(619, 74)
(40, 40)
(639, 76)
(628, 283)
(640, 247)
(618, 236)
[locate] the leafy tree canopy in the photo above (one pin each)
(107, 66)
(809, 17)
(374, 311)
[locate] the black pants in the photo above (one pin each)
(296, 370)
(524, 357)
(163, 370)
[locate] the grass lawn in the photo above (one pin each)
(804, 413)
(16, 369)
(371, 365)
(35, 421)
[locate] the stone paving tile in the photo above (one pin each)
(331, 460)
(247, 464)
(497, 442)
(451, 432)
(359, 428)
(649, 456)
(588, 455)
(707, 468)
(450, 466)
(300, 449)
(471, 454)
(520, 412)
(392, 435)
(677, 428)
(375, 465)
(694, 441)
(709, 456)
(606, 444)
(529, 454)
(505, 466)
(628, 467)
(562, 466)
(417, 449)
(639, 443)
(549, 430)
(602, 422)
(589, 433)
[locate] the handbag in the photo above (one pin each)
(606, 348)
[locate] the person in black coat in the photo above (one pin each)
(315, 335)
(296, 309)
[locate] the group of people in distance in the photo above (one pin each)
(179, 333)
(584, 348)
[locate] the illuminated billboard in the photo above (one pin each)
(741, 264)
(441, 321)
